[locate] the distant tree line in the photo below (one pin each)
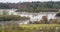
(31, 6)
(8, 5)
(38, 7)
(4, 6)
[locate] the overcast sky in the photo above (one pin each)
(15, 1)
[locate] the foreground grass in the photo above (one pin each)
(39, 25)
(30, 28)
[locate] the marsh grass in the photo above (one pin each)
(8, 27)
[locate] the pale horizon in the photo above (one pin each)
(16, 1)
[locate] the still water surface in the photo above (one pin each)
(33, 17)
(38, 16)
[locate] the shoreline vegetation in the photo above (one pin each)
(37, 11)
(12, 18)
